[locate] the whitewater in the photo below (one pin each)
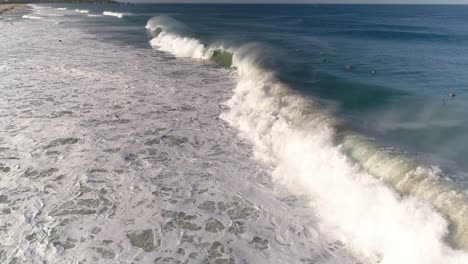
(113, 153)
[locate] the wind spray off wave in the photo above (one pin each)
(306, 148)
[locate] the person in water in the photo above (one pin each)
(374, 72)
(348, 67)
(452, 94)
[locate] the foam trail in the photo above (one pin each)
(115, 14)
(299, 140)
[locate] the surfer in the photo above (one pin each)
(325, 60)
(452, 95)
(348, 67)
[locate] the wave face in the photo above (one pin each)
(311, 153)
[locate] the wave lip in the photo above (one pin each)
(114, 14)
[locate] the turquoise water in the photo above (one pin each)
(418, 53)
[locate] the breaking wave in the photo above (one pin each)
(114, 14)
(32, 17)
(181, 46)
(83, 11)
(384, 204)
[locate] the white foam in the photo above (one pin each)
(32, 17)
(114, 14)
(180, 46)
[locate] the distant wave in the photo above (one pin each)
(345, 174)
(32, 17)
(115, 14)
(83, 11)
(62, 8)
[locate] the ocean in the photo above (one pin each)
(201, 133)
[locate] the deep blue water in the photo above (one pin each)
(420, 54)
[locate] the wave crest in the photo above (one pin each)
(166, 39)
(166, 23)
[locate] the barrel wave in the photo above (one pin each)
(383, 202)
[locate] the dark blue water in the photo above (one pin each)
(419, 53)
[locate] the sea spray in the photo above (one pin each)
(411, 178)
(299, 140)
(291, 134)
